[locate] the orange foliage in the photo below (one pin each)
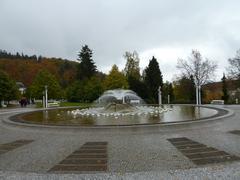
(26, 70)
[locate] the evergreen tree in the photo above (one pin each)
(153, 79)
(86, 68)
(225, 96)
(139, 87)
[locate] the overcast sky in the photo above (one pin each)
(166, 29)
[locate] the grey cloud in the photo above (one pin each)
(111, 27)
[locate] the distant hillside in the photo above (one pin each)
(25, 70)
(214, 90)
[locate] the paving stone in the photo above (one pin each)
(194, 146)
(88, 156)
(200, 154)
(94, 147)
(79, 168)
(198, 150)
(96, 143)
(89, 151)
(181, 143)
(92, 156)
(237, 132)
(84, 161)
(206, 155)
(172, 140)
(215, 160)
(13, 145)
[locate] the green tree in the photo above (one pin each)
(168, 91)
(184, 90)
(8, 88)
(87, 67)
(93, 89)
(42, 79)
(225, 96)
(115, 79)
(75, 92)
(139, 87)
(153, 79)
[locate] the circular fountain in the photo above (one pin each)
(119, 108)
(117, 103)
(120, 96)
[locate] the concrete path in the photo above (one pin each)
(132, 153)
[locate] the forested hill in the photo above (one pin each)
(24, 68)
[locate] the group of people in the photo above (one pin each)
(23, 102)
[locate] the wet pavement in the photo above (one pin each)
(209, 149)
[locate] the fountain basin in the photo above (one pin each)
(177, 114)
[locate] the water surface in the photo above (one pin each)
(61, 117)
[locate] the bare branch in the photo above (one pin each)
(202, 70)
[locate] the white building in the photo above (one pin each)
(21, 87)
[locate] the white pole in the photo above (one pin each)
(199, 96)
(159, 96)
(196, 95)
(46, 96)
(44, 104)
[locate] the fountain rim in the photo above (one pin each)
(221, 113)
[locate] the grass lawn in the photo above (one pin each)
(66, 104)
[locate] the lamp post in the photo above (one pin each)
(46, 96)
(159, 96)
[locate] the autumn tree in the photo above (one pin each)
(132, 68)
(202, 69)
(87, 67)
(8, 88)
(132, 73)
(153, 79)
(115, 79)
(42, 79)
(225, 95)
